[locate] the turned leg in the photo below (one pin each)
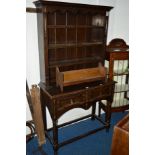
(43, 108)
(93, 111)
(108, 115)
(55, 136)
(99, 109)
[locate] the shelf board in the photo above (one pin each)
(121, 88)
(118, 102)
(74, 61)
(74, 26)
(53, 46)
(120, 72)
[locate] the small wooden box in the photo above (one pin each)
(120, 141)
(74, 77)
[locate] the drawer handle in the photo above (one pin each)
(72, 101)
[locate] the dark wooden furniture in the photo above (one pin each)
(117, 54)
(72, 37)
(120, 141)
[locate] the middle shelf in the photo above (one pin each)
(121, 88)
(56, 45)
(74, 61)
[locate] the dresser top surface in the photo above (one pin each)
(55, 90)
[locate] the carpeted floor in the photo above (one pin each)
(96, 144)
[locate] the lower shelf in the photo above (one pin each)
(119, 104)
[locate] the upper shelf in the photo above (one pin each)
(74, 26)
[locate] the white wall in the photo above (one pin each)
(118, 27)
(111, 16)
(32, 57)
(121, 20)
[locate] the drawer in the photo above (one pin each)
(107, 90)
(70, 101)
(98, 93)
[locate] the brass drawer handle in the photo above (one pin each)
(71, 101)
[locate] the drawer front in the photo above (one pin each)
(98, 93)
(72, 100)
